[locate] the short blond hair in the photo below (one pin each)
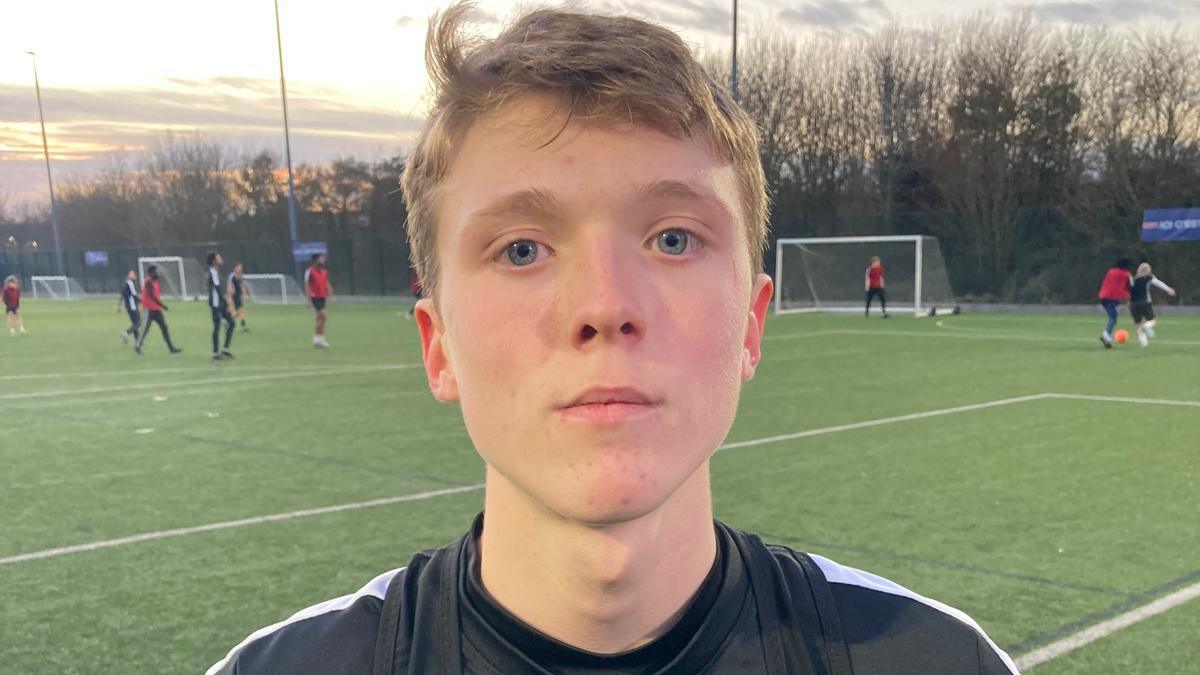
(597, 68)
(11, 280)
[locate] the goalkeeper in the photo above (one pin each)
(873, 284)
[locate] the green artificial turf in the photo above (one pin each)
(1038, 516)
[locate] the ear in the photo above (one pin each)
(760, 300)
(438, 368)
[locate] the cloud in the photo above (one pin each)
(712, 16)
(86, 127)
(836, 14)
(1110, 11)
(243, 103)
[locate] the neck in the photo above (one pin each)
(602, 588)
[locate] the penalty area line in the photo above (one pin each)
(1126, 399)
(1106, 628)
(228, 524)
(886, 420)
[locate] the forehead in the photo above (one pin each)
(534, 142)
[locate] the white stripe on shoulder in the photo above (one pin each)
(837, 573)
(377, 587)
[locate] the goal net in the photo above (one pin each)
(829, 274)
(56, 288)
(180, 278)
(273, 289)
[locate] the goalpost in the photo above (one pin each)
(272, 288)
(174, 274)
(56, 288)
(828, 274)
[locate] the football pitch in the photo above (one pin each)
(156, 510)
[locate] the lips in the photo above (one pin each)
(610, 396)
(610, 405)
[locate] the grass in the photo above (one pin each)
(1037, 517)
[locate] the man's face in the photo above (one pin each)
(217, 261)
(597, 312)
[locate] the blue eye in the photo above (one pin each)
(523, 252)
(673, 242)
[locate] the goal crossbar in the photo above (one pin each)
(284, 287)
(831, 271)
(37, 282)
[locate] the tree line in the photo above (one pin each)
(1028, 150)
(194, 189)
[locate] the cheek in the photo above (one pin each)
(710, 324)
(500, 343)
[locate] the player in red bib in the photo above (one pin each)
(12, 305)
(316, 280)
(152, 301)
(874, 286)
(1113, 291)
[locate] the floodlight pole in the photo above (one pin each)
(733, 64)
(287, 144)
(37, 87)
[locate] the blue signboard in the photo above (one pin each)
(96, 258)
(1171, 225)
(302, 251)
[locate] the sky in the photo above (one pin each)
(118, 76)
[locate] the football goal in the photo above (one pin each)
(180, 278)
(829, 273)
(272, 288)
(56, 288)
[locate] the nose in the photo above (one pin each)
(607, 295)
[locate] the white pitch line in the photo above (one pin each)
(358, 505)
(198, 382)
(1106, 628)
(155, 371)
(1126, 399)
(225, 525)
(882, 421)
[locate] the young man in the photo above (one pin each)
(1113, 291)
(129, 302)
(874, 286)
(218, 302)
(316, 280)
(12, 305)
(152, 300)
(1140, 306)
(587, 213)
(237, 290)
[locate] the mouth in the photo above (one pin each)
(610, 405)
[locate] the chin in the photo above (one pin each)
(615, 494)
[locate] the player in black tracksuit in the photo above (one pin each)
(237, 295)
(219, 304)
(763, 609)
(129, 302)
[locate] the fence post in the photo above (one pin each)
(350, 256)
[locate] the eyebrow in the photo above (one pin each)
(677, 189)
(533, 201)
